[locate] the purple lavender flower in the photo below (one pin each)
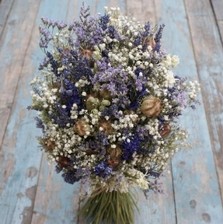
(181, 99)
(39, 123)
(113, 79)
(131, 146)
(158, 38)
(102, 170)
(88, 30)
(104, 20)
(70, 176)
(61, 116)
(45, 37)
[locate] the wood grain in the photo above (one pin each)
(19, 163)
(197, 193)
(5, 9)
(209, 56)
(19, 159)
(14, 44)
(217, 6)
(56, 201)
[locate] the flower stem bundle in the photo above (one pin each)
(109, 207)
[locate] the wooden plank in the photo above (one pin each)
(196, 188)
(220, 25)
(19, 161)
(56, 201)
(157, 207)
(134, 9)
(149, 11)
(19, 210)
(217, 6)
(4, 114)
(15, 40)
(209, 56)
(5, 8)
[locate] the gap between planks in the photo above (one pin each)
(12, 64)
(5, 9)
(217, 7)
(209, 66)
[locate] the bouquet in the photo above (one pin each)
(108, 104)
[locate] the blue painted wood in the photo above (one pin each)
(210, 67)
(196, 188)
(217, 6)
(19, 160)
(13, 44)
(56, 201)
(5, 9)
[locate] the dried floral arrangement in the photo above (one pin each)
(108, 104)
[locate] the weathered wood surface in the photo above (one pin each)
(217, 6)
(195, 181)
(13, 47)
(209, 56)
(19, 157)
(30, 190)
(5, 9)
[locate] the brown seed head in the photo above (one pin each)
(114, 156)
(105, 94)
(64, 161)
(106, 125)
(165, 130)
(92, 102)
(151, 106)
(81, 127)
(87, 53)
(49, 145)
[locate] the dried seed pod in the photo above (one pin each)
(87, 53)
(106, 125)
(92, 103)
(113, 162)
(64, 162)
(114, 155)
(106, 103)
(48, 144)
(165, 130)
(81, 127)
(151, 106)
(105, 94)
